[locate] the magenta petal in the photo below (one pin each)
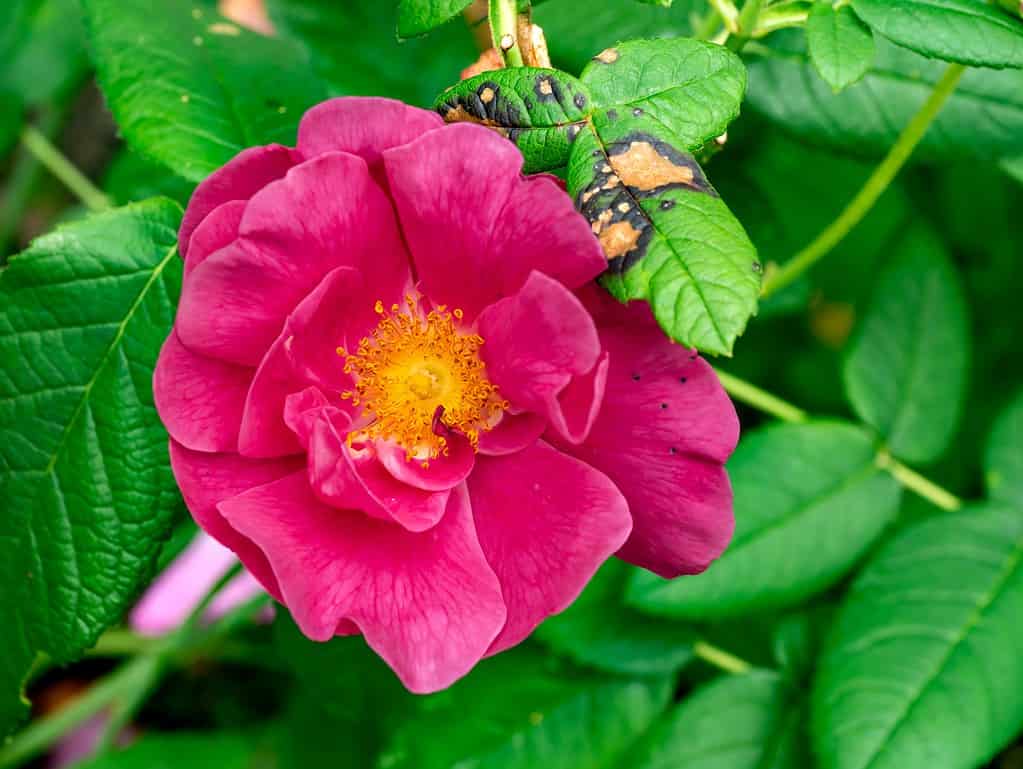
(178, 590)
(352, 478)
(206, 479)
(513, 433)
(475, 227)
(427, 603)
(443, 472)
(323, 214)
(663, 435)
(264, 432)
(243, 176)
(216, 231)
(542, 352)
(305, 352)
(364, 126)
(546, 522)
(199, 399)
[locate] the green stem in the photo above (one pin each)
(43, 150)
(878, 182)
(128, 685)
(708, 26)
(721, 659)
(120, 642)
(916, 483)
(39, 735)
(771, 20)
(751, 395)
(505, 31)
(748, 18)
(729, 14)
(23, 180)
(124, 708)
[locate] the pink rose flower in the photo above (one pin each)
(394, 392)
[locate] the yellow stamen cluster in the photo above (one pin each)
(415, 369)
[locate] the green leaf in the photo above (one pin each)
(417, 17)
(540, 110)
(905, 369)
(1003, 459)
(354, 49)
(669, 238)
(966, 31)
(197, 750)
(809, 501)
(42, 46)
(982, 119)
(750, 721)
(131, 177)
(344, 674)
(841, 46)
(190, 89)
(519, 710)
(573, 37)
(922, 668)
(83, 458)
(662, 3)
(690, 88)
(598, 630)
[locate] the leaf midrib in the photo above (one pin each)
(1011, 563)
(678, 257)
(101, 365)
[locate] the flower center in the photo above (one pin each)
(416, 372)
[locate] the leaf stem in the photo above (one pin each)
(49, 156)
(917, 483)
(729, 14)
(505, 31)
(875, 186)
(748, 18)
(721, 659)
(751, 395)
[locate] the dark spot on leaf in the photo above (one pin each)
(757, 267)
(579, 100)
(572, 132)
(528, 103)
(612, 115)
(547, 89)
(637, 112)
(667, 205)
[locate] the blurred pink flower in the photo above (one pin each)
(393, 391)
(182, 585)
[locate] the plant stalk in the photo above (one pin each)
(721, 659)
(751, 395)
(875, 186)
(504, 30)
(56, 163)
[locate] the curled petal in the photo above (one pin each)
(543, 353)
